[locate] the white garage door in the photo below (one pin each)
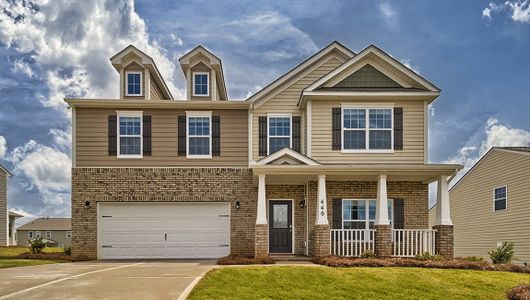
(176, 230)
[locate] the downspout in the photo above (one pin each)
(307, 218)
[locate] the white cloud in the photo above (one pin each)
(494, 135)
(3, 146)
(519, 10)
(389, 14)
(407, 63)
(20, 66)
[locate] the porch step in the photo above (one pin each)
(290, 258)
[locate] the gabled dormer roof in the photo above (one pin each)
(260, 97)
(390, 67)
(186, 62)
(119, 62)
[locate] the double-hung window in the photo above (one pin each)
(500, 198)
(367, 129)
(37, 234)
(30, 234)
(134, 84)
(48, 234)
(69, 234)
(360, 213)
(201, 84)
(130, 134)
(199, 134)
(280, 132)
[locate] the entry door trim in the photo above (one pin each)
(292, 221)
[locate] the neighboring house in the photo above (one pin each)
(490, 204)
(331, 157)
(12, 240)
(4, 218)
(56, 232)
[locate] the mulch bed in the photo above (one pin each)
(51, 256)
(521, 292)
(245, 260)
(333, 261)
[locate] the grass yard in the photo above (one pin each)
(354, 283)
(8, 254)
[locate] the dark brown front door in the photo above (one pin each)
(280, 226)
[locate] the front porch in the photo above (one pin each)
(348, 211)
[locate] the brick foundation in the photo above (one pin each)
(383, 240)
(162, 185)
(321, 242)
(261, 240)
(444, 244)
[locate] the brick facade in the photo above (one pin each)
(444, 242)
(321, 240)
(383, 240)
(162, 185)
(261, 240)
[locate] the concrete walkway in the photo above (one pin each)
(102, 280)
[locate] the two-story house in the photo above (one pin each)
(330, 158)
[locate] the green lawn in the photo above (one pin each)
(354, 283)
(8, 254)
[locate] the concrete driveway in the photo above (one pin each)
(102, 280)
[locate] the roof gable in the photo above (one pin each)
(367, 77)
(2, 168)
(380, 60)
(287, 156)
(335, 47)
(48, 224)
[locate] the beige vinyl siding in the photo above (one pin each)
(200, 67)
(3, 208)
(477, 227)
(92, 140)
(413, 135)
(287, 100)
(57, 235)
(155, 92)
(432, 216)
(133, 67)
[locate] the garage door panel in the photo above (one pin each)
(176, 230)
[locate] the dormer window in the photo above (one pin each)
(134, 83)
(200, 84)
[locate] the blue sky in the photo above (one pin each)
(475, 51)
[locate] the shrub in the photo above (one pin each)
(52, 256)
(503, 254)
(37, 245)
(426, 256)
(368, 254)
(521, 292)
(245, 260)
(68, 250)
(473, 258)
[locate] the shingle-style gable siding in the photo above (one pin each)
(477, 227)
(3, 208)
(367, 77)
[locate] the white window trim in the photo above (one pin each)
(367, 129)
(203, 114)
(68, 234)
(207, 84)
(274, 115)
(367, 213)
(38, 234)
(30, 234)
(127, 83)
(130, 114)
(48, 234)
(506, 198)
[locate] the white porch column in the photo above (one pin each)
(322, 209)
(261, 217)
(443, 210)
(381, 208)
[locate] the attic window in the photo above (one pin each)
(134, 84)
(200, 84)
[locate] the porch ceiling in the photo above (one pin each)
(299, 174)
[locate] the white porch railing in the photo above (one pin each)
(411, 242)
(351, 242)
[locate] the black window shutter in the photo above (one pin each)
(182, 135)
(113, 135)
(216, 135)
(399, 213)
(147, 135)
(296, 133)
(262, 136)
(337, 213)
(336, 128)
(398, 128)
